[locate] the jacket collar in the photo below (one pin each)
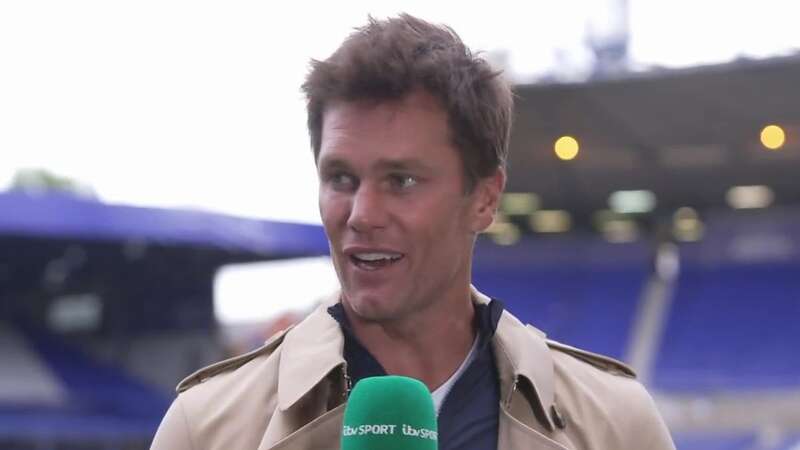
(523, 363)
(313, 349)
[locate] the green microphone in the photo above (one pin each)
(389, 413)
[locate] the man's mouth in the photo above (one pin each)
(375, 260)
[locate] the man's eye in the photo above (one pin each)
(342, 180)
(403, 181)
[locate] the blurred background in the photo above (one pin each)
(158, 205)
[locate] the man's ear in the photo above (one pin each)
(487, 199)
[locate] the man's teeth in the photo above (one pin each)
(377, 256)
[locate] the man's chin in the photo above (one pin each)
(371, 308)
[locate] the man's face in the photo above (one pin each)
(392, 201)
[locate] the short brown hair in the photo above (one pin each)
(387, 59)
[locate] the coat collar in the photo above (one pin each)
(313, 349)
(523, 363)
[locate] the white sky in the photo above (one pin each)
(181, 103)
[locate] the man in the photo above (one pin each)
(410, 134)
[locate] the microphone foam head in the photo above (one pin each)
(389, 413)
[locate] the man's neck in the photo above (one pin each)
(428, 346)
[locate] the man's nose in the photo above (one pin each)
(368, 211)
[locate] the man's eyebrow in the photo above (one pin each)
(333, 163)
(401, 164)
(384, 164)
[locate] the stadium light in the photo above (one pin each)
(686, 225)
(749, 197)
(550, 221)
(773, 137)
(632, 202)
(620, 230)
(519, 203)
(503, 232)
(566, 148)
(686, 212)
(615, 227)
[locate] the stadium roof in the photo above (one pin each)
(67, 217)
(138, 269)
(687, 135)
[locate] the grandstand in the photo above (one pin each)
(58, 394)
(565, 287)
(104, 307)
(722, 361)
(671, 239)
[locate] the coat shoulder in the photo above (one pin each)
(601, 391)
(231, 364)
(602, 362)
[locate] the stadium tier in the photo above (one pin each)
(582, 291)
(734, 441)
(790, 443)
(733, 320)
(95, 401)
(733, 327)
(716, 441)
(82, 272)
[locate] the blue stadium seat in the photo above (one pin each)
(789, 443)
(714, 441)
(583, 292)
(733, 327)
(104, 402)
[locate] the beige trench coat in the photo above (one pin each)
(290, 394)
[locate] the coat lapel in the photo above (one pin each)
(524, 365)
(311, 351)
(527, 386)
(311, 390)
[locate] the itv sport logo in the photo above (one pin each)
(389, 430)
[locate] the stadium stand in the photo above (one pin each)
(733, 322)
(715, 441)
(25, 379)
(731, 328)
(89, 289)
(790, 443)
(99, 402)
(580, 291)
(735, 441)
